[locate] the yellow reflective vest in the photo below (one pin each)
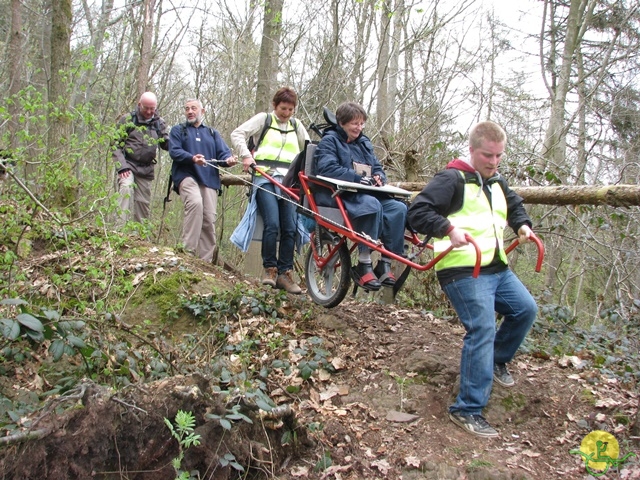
(278, 147)
(485, 221)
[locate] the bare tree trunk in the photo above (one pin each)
(146, 48)
(59, 123)
(394, 61)
(383, 101)
(356, 82)
(199, 64)
(411, 166)
(268, 66)
(492, 67)
(614, 195)
(555, 138)
(582, 121)
(16, 55)
(60, 61)
(97, 30)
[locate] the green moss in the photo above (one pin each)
(165, 291)
(174, 283)
(621, 419)
(513, 402)
(588, 396)
(477, 465)
(599, 360)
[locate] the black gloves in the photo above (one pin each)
(367, 181)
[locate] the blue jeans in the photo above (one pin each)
(476, 300)
(278, 216)
(387, 225)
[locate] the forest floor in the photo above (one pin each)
(379, 409)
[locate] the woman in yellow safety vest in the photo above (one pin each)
(278, 138)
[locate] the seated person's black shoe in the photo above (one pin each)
(364, 277)
(384, 274)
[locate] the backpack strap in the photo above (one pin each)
(155, 125)
(265, 129)
(183, 130)
(267, 124)
(132, 120)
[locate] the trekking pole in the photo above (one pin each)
(165, 200)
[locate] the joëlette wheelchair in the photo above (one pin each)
(327, 264)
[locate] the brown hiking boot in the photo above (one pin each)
(286, 282)
(270, 276)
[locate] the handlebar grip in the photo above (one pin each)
(476, 267)
(534, 238)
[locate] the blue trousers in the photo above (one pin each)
(386, 225)
(476, 300)
(279, 217)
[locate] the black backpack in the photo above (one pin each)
(155, 125)
(291, 179)
(183, 130)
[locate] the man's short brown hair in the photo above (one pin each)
(486, 131)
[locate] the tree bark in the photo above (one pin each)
(15, 68)
(146, 50)
(268, 66)
(61, 18)
(58, 138)
(612, 195)
(383, 104)
(556, 134)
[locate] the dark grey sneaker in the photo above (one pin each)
(475, 424)
(502, 376)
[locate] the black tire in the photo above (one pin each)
(328, 286)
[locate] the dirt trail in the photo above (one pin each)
(381, 414)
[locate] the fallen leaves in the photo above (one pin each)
(382, 465)
(401, 417)
(571, 361)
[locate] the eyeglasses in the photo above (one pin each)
(356, 124)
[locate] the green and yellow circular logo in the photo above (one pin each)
(600, 451)
(601, 448)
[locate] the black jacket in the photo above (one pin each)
(444, 195)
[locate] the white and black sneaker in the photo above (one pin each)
(502, 376)
(475, 424)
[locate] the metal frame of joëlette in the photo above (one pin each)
(347, 231)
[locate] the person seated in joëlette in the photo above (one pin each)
(345, 153)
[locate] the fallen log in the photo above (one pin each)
(612, 195)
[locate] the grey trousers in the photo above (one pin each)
(135, 198)
(200, 213)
